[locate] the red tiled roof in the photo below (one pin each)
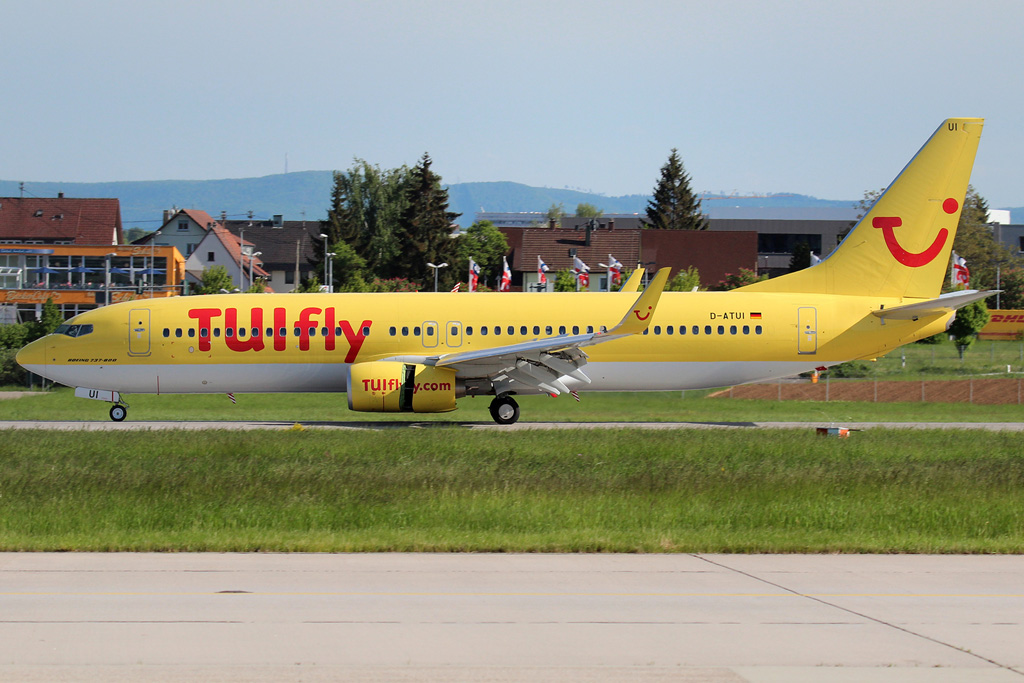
(234, 248)
(553, 246)
(61, 219)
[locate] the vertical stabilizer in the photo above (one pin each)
(901, 248)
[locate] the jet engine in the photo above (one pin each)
(395, 387)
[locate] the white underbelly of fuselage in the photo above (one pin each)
(333, 377)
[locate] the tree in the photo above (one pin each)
(674, 206)
(349, 268)
(426, 225)
(585, 210)
(1012, 284)
(49, 319)
(801, 256)
(366, 211)
(684, 281)
(215, 280)
(741, 279)
(969, 320)
(565, 281)
(976, 242)
(483, 243)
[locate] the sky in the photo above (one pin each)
(828, 99)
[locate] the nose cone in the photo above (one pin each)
(33, 357)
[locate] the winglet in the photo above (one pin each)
(641, 312)
(632, 284)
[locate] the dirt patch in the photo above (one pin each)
(986, 391)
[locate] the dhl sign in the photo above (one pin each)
(1003, 324)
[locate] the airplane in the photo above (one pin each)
(421, 352)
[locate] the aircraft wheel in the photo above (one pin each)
(118, 413)
(504, 410)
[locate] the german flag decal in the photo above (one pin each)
(755, 316)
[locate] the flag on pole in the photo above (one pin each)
(814, 259)
(582, 271)
(614, 272)
(506, 276)
(456, 287)
(474, 275)
(541, 269)
(959, 275)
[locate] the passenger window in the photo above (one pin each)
(204, 333)
(167, 332)
(177, 332)
(682, 329)
(536, 330)
(216, 332)
(669, 329)
(590, 329)
(561, 329)
(732, 330)
(746, 329)
(392, 330)
(282, 332)
(511, 330)
(522, 330)
(696, 329)
(757, 329)
(469, 329)
(657, 329)
(297, 331)
(241, 332)
(416, 331)
(325, 331)
(229, 332)
(497, 329)
(707, 329)
(405, 331)
(647, 330)
(270, 332)
(312, 331)
(454, 332)
(255, 331)
(721, 329)
(483, 330)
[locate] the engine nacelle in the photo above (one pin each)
(393, 387)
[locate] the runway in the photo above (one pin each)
(428, 617)
(106, 425)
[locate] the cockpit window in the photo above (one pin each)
(74, 330)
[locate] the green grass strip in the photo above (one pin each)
(447, 489)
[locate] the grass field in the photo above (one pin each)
(451, 490)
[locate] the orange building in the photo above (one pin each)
(81, 277)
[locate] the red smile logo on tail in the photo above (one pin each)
(908, 258)
(636, 312)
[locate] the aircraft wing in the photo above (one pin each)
(946, 303)
(541, 363)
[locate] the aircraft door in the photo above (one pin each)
(807, 330)
(138, 332)
(430, 334)
(453, 331)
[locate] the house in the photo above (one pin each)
(183, 229)
(219, 247)
(287, 247)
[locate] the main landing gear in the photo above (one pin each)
(504, 410)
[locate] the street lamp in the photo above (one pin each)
(152, 261)
(324, 237)
(106, 274)
(252, 257)
(329, 271)
(436, 268)
(241, 254)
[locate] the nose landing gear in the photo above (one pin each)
(118, 412)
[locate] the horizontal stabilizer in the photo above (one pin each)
(944, 304)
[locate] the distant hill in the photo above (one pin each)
(306, 194)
